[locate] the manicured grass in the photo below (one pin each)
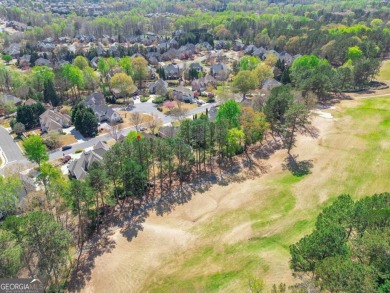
(354, 158)
(384, 74)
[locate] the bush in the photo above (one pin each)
(78, 151)
(159, 108)
(159, 100)
(144, 99)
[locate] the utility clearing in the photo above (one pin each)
(227, 234)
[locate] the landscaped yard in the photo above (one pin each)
(67, 139)
(185, 107)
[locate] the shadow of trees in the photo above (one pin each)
(297, 168)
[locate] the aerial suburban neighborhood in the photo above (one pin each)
(192, 146)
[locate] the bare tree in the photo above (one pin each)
(154, 123)
(179, 113)
(136, 119)
(115, 130)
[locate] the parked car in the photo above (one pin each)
(200, 102)
(66, 147)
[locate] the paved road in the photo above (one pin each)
(9, 147)
(143, 108)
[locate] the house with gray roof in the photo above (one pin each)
(96, 102)
(79, 168)
(10, 100)
(171, 71)
(183, 94)
(220, 71)
(270, 83)
(160, 87)
(51, 120)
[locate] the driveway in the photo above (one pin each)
(9, 147)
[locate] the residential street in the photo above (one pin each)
(9, 147)
(141, 107)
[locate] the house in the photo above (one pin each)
(79, 168)
(96, 102)
(286, 58)
(10, 100)
(29, 102)
(43, 62)
(250, 49)
(220, 71)
(259, 52)
(183, 94)
(51, 120)
(238, 46)
(201, 84)
(13, 50)
(171, 71)
(270, 83)
(168, 131)
(160, 87)
(196, 66)
(25, 60)
(173, 44)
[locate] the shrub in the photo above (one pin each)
(159, 100)
(144, 99)
(78, 151)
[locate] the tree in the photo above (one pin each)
(10, 188)
(136, 119)
(123, 84)
(276, 106)
(348, 249)
(354, 53)
(262, 71)
(18, 128)
(35, 149)
(42, 255)
(74, 77)
(126, 65)
(29, 115)
(235, 139)
(103, 67)
(230, 112)
(7, 58)
(84, 120)
(244, 82)
(154, 123)
(10, 255)
(312, 73)
(253, 124)
(139, 69)
(40, 75)
(79, 198)
(297, 120)
(249, 63)
(81, 62)
(49, 93)
(52, 139)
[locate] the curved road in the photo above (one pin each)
(9, 147)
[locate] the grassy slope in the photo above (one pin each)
(354, 159)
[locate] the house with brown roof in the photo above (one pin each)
(52, 120)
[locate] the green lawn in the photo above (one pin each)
(354, 158)
(384, 74)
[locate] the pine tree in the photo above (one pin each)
(49, 94)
